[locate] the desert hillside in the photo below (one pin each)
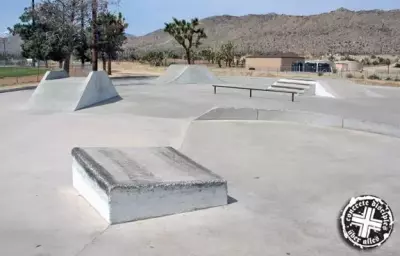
(339, 31)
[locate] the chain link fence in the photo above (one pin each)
(24, 72)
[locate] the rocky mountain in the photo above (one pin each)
(339, 31)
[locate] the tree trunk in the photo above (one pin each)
(60, 63)
(46, 63)
(103, 59)
(83, 33)
(66, 63)
(94, 36)
(188, 56)
(109, 64)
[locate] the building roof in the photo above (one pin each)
(277, 55)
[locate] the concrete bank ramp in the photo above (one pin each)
(300, 117)
(58, 92)
(303, 86)
(188, 74)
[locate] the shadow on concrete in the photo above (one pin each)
(231, 200)
(105, 102)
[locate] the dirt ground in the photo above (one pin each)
(132, 69)
(129, 68)
(7, 81)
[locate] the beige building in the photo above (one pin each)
(273, 62)
(343, 66)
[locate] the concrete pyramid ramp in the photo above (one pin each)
(58, 92)
(188, 74)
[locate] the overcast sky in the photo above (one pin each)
(145, 16)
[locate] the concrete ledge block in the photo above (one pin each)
(127, 184)
(300, 117)
(372, 127)
(230, 114)
(55, 74)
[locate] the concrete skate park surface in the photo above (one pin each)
(288, 181)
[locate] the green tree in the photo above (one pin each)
(187, 34)
(111, 30)
(33, 35)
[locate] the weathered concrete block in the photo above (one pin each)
(55, 74)
(130, 184)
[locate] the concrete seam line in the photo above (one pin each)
(19, 89)
(91, 241)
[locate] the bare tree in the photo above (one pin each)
(95, 54)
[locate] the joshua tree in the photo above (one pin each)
(388, 62)
(187, 34)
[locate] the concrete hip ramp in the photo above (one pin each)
(188, 74)
(58, 92)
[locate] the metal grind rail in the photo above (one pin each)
(251, 90)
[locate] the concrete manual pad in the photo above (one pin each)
(130, 184)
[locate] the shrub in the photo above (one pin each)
(252, 69)
(320, 74)
(349, 75)
(362, 77)
(381, 60)
(374, 77)
(375, 62)
(334, 70)
(397, 65)
(388, 79)
(373, 56)
(397, 79)
(366, 61)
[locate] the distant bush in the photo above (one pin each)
(334, 70)
(362, 77)
(320, 74)
(373, 56)
(375, 62)
(374, 77)
(397, 79)
(349, 75)
(397, 65)
(388, 79)
(366, 61)
(252, 69)
(347, 57)
(381, 60)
